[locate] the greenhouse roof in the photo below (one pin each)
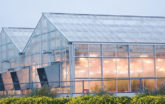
(109, 28)
(19, 36)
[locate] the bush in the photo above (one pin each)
(44, 91)
(148, 100)
(33, 100)
(89, 99)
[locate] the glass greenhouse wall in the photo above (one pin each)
(91, 52)
(46, 46)
(107, 61)
(12, 42)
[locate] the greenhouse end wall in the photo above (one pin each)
(107, 61)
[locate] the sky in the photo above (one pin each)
(26, 13)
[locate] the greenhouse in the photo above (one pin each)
(78, 53)
(12, 43)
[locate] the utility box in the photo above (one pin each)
(50, 75)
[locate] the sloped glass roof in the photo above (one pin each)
(109, 28)
(19, 36)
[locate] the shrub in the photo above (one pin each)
(33, 100)
(44, 91)
(89, 99)
(101, 92)
(148, 100)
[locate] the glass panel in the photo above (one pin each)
(135, 85)
(19, 36)
(7, 80)
(34, 46)
(27, 60)
(136, 67)
(160, 51)
(122, 85)
(81, 67)
(122, 50)
(46, 58)
(58, 55)
(44, 42)
(109, 67)
(94, 86)
(52, 40)
(149, 84)
(141, 51)
(122, 67)
(81, 50)
(160, 67)
(23, 77)
(148, 65)
(35, 77)
(65, 72)
(142, 67)
(94, 50)
(160, 83)
(110, 85)
(94, 67)
(109, 50)
(35, 59)
(58, 41)
(79, 86)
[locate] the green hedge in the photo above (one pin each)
(106, 99)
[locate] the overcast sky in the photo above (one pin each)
(26, 13)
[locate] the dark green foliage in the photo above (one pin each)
(89, 99)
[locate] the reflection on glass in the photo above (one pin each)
(81, 67)
(81, 50)
(160, 67)
(136, 67)
(109, 67)
(122, 67)
(110, 85)
(142, 67)
(94, 67)
(94, 50)
(148, 67)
